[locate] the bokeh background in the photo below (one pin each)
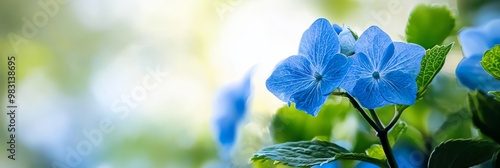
(79, 66)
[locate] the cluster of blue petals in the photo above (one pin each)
(374, 69)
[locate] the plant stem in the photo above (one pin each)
(382, 132)
(363, 113)
(384, 140)
(375, 117)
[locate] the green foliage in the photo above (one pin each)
(376, 151)
(446, 95)
(485, 114)
(429, 25)
(417, 116)
(457, 125)
(491, 61)
(310, 153)
(496, 94)
(396, 132)
(432, 63)
(290, 124)
(461, 153)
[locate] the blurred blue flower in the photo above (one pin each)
(383, 72)
(487, 12)
(230, 106)
(346, 39)
(475, 41)
(307, 79)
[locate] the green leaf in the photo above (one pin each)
(432, 63)
(491, 61)
(496, 94)
(485, 114)
(396, 132)
(376, 151)
(461, 153)
(310, 153)
(429, 25)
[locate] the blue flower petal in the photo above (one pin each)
(319, 41)
(309, 78)
(313, 96)
(398, 88)
(368, 92)
(373, 42)
(383, 72)
(310, 99)
(293, 81)
(473, 41)
(406, 58)
(292, 75)
(472, 75)
(361, 67)
(334, 71)
(337, 28)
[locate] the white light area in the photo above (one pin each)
(259, 33)
(119, 77)
(170, 20)
(182, 99)
(99, 14)
(391, 16)
(43, 120)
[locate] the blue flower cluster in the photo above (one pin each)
(378, 71)
(475, 41)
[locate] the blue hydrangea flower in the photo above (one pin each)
(346, 39)
(383, 72)
(230, 106)
(475, 41)
(307, 79)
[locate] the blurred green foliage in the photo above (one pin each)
(422, 27)
(290, 124)
(485, 114)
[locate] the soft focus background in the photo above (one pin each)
(149, 70)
